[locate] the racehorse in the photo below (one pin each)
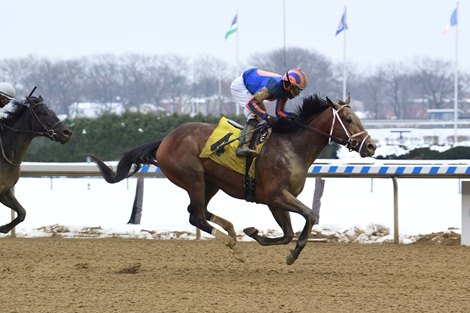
(24, 122)
(281, 168)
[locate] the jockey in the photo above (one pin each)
(7, 93)
(253, 88)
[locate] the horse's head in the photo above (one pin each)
(347, 129)
(43, 121)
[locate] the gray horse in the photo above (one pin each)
(26, 121)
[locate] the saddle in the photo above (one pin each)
(221, 147)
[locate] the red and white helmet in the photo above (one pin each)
(297, 77)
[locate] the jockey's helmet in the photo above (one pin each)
(7, 91)
(297, 77)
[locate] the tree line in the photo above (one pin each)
(110, 135)
(175, 84)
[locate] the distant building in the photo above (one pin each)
(93, 109)
(442, 114)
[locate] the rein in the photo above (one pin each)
(48, 132)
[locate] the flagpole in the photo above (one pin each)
(344, 61)
(456, 77)
(237, 43)
(284, 31)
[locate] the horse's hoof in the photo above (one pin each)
(230, 242)
(250, 231)
(239, 254)
(290, 259)
(4, 230)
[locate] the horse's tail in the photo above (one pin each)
(144, 154)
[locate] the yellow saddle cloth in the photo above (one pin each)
(226, 156)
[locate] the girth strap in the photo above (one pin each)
(249, 184)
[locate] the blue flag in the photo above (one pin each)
(453, 18)
(452, 22)
(343, 25)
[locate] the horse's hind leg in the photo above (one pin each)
(197, 214)
(9, 200)
(238, 252)
(211, 190)
(195, 219)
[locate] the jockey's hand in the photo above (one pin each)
(270, 120)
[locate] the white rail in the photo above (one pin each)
(457, 169)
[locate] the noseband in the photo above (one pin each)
(352, 142)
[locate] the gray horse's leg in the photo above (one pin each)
(9, 200)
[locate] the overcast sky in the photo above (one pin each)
(379, 30)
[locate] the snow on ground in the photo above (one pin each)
(358, 209)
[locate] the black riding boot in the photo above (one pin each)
(247, 134)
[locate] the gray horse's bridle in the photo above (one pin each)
(352, 142)
(48, 132)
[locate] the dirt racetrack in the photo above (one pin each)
(136, 275)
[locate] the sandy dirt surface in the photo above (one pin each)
(137, 275)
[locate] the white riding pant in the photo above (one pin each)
(241, 96)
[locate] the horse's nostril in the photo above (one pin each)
(67, 133)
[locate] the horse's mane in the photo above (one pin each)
(16, 108)
(311, 106)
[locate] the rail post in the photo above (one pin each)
(465, 231)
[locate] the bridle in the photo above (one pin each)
(351, 143)
(47, 131)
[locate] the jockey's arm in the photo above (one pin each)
(280, 105)
(255, 104)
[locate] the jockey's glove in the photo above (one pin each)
(270, 120)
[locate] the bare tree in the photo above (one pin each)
(435, 79)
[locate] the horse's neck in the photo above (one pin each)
(14, 144)
(310, 145)
(302, 147)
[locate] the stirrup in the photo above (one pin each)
(245, 151)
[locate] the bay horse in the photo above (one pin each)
(18, 127)
(281, 168)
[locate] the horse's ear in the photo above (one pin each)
(331, 102)
(348, 100)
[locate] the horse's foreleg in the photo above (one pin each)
(9, 200)
(286, 201)
(294, 205)
(282, 217)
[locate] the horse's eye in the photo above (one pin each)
(348, 119)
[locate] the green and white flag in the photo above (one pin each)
(233, 28)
